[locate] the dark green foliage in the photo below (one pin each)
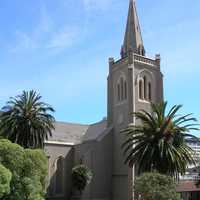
(5, 178)
(154, 186)
(81, 176)
(28, 168)
(159, 142)
(26, 121)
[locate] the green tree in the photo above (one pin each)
(26, 120)
(28, 168)
(158, 143)
(5, 178)
(154, 186)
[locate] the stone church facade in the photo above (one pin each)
(133, 82)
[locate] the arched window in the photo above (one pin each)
(59, 169)
(145, 86)
(140, 89)
(149, 91)
(118, 92)
(47, 186)
(121, 89)
(125, 90)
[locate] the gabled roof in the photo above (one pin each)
(68, 132)
(77, 133)
(94, 131)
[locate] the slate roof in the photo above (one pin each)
(94, 131)
(77, 133)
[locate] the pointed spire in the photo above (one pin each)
(133, 37)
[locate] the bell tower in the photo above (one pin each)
(134, 81)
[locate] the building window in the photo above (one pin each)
(140, 89)
(145, 86)
(118, 92)
(149, 91)
(59, 175)
(121, 90)
(48, 176)
(125, 90)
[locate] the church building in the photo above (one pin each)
(133, 82)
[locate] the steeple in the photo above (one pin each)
(133, 37)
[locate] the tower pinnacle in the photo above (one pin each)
(133, 37)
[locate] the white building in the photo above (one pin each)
(195, 145)
(193, 171)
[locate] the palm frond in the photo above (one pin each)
(27, 120)
(158, 141)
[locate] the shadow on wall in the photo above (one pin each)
(59, 185)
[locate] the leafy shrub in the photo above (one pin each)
(35, 164)
(155, 186)
(81, 177)
(28, 168)
(5, 178)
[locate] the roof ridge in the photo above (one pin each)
(72, 123)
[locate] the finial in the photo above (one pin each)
(158, 59)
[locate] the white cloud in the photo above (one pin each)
(23, 42)
(48, 36)
(44, 35)
(63, 38)
(46, 22)
(97, 4)
(31, 40)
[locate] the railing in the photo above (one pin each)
(143, 59)
(121, 61)
(188, 177)
(137, 58)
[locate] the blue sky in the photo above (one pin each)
(61, 48)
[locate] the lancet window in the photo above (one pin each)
(122, 89)
(145, 88)
(59, 174)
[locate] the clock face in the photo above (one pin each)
(121, 119)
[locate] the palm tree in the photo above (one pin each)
(26, 120)
(158, 143)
